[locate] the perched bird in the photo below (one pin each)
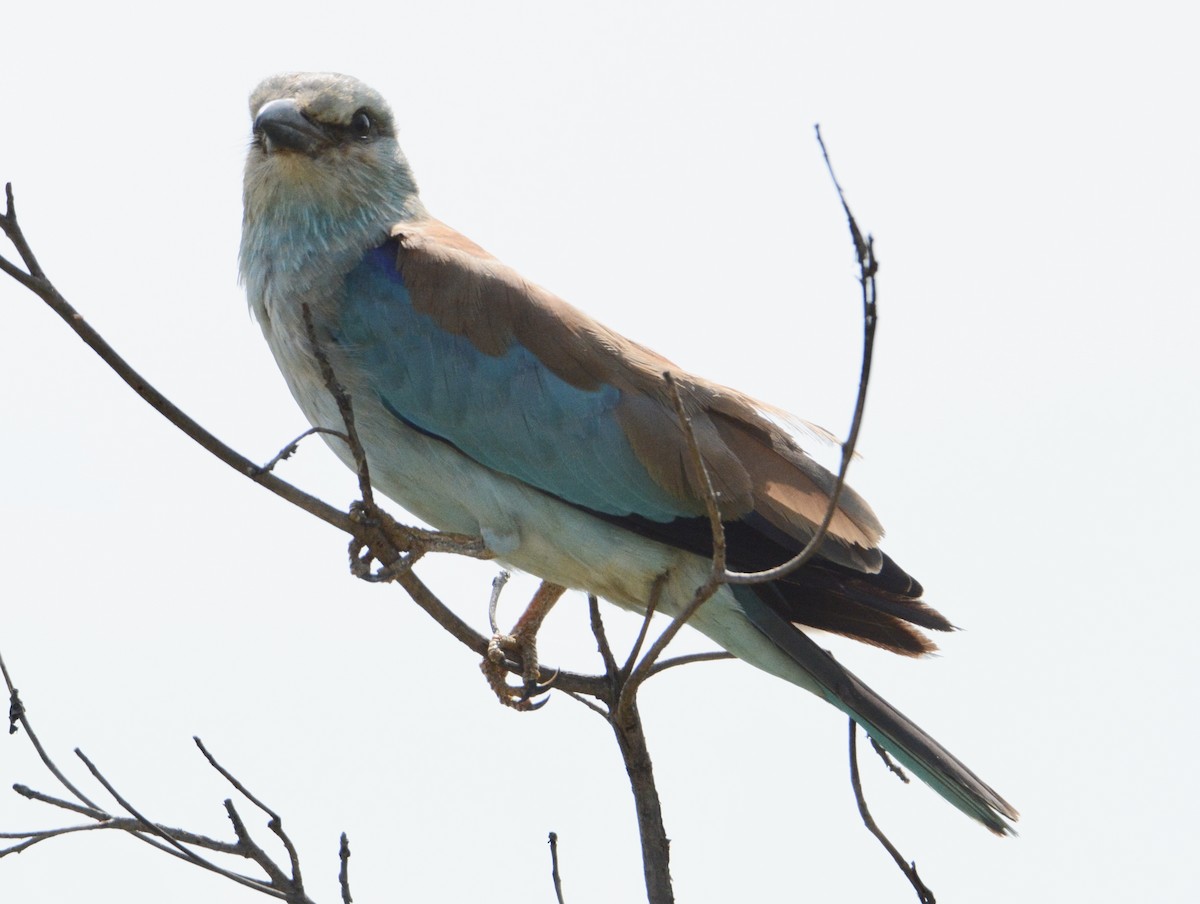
(488, 406)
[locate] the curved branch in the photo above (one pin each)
(924, 895)
(868, 266)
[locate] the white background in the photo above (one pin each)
(1030, 175)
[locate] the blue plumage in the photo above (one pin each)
(501, 410)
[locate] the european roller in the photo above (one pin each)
(488, 406)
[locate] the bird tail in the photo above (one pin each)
(891, 729)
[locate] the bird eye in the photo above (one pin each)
(360, 124)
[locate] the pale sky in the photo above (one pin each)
(1030, 176)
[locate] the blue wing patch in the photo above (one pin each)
(508, 412)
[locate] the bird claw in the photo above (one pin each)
(514, 652)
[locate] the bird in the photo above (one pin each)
(488, 406)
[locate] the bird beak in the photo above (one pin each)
(283, 126)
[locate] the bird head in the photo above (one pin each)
(324, 172)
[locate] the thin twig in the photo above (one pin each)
(121, 824)
(713, 656)
(16, 710)
(924, 895)
(90, 812)
(175, 841)
(597, 624)
(716, 575)
(345, 409)
(229, 777)
(275, 824)
(861, 247)
(290, 449)
(645, 666)
(554, 867)
(344, 871)
(15, 235)
(580, 698)
(134, 827)
(892, 765)
(703, 480)
(656, 590)
(868, 267)
(251, 850)
(29, 839)
(155, 829)
(247, 847)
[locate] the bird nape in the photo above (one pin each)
(488, 406)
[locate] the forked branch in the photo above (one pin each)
(282, 881)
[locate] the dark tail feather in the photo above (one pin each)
(891, 591)
(835, 611)
(897, 734)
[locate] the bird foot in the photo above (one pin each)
(510, 652)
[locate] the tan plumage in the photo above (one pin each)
(754, 464)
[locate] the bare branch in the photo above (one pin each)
(15, 235)
(155, 829)
(612, 674)
(868, 267)
(344, 872)
(132, 826)
(711, 506)
(580, 698)
(91, 812)
(121, 824)
(597, 623)
(924, 895)
(345, 409)
(291, 448)
(225, 774)
(276, 821)
(705, 591)
(554, 867)
(651, 607)
(664, 664)
(176, 842)
(626, 724)
(249, 849)
(17, 714)
(892, 765)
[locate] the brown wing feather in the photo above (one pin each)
(754, 465)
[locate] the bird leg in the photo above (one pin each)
(519, 649)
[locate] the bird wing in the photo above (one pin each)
(463, 348)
